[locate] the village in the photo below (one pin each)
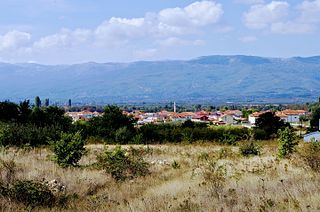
(227, 117)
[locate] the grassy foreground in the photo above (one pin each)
(197, 177)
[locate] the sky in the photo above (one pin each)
(79, 31)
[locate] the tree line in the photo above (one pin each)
(23, 124)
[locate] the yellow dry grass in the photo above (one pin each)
(208, 179)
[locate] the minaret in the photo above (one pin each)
(174, 107)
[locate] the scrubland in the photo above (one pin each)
(182, 177)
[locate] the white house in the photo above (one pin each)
(254, 116)
(228, 119)
(291, 116)
(314, 136)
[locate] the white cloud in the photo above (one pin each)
(277, 18)
(14, 40)
(196, 14)
(65, 38)
(119, 30)
(143, 54)
(310, 12)
(264, 15)
(248, 39)
(291, 27)
(306, 22)
(167, 23)
(167, 28)
(204, 13)
(175, 41)
(249, 1)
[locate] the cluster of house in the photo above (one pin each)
(218, 118)
(288, 116)
(228, 117)
(84, 115)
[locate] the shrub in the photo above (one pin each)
(286, 142)
(259, 134)
(215, 178)
(20, 134)
(123, 135)
(137, 139)
(69, 149)
(249, 149)
(31, 193)
(175, 165)
(123, 164)
(8, 171)
(311, 155)
(225, 152)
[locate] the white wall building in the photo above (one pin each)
(314, 136)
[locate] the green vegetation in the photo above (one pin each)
(314, 120)
(123, 164)
(30, 193)
(250, 149)
(287, 142)
(69, 149)
(311, 155)
(270, 123)
(211, 173)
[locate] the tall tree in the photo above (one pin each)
(37, 102)
(270, 123)
(286, 142)
(112, 120)
(314, 121)
(46, 103)
(9, 111)
(24, 111)
(69, 103)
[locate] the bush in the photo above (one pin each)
(137, 139)
(259, 134)
(20, 134)
(8, 171)
(123, 164)
(69, 149)
(123, 135)
(311, 155)
(286, 142)
(249, 149)
(31, 193)
(175, 165)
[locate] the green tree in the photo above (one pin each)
(314, 121)
(270, 123)
(188, 124)
(69, 103)
(46, 102)
(123, 135)
(69, 149)
(9, 112)
(37, 102)
(24, 111)
(286, 142)
(112, 120)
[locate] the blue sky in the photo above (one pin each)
(77, 31)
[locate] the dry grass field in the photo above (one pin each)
(197, 177)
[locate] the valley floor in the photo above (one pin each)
(197, 177)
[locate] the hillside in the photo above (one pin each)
(205, 79)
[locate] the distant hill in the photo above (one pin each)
(205, 79)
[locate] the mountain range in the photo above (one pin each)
(214, 79)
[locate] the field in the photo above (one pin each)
(184, 177)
